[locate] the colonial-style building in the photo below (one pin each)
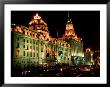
(32, 45)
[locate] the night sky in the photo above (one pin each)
(86, 24)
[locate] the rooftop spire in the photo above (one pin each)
(69, 20)
(68, 14)
(57, 33)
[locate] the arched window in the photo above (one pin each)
(33, 35)
(17, 45)
(30, 34)
(23, 32)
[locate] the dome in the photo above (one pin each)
(37, 20)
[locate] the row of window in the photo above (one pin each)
(29, 54)
(33, 47)
(24, 46)
(30, 34)
(25, 62)
(30, 41)
(25, 40)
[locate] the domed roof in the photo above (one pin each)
(37, 20)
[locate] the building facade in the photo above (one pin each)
(32, 45)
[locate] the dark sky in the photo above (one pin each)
(86, 24)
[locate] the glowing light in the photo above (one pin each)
(88, 49)
(13, 24)
(37, 16)
(61, 69)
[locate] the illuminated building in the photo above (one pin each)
(32, 46)
(96, 57)
(76, 44)
(88, 55)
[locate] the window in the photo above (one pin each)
(23, 32)
(34, 54)
(18, 38)
(41, 43)
(34, 41)
(17, 45)
(27, 53)
(24, 46)
(33, 35)
(27, 47)
(41, 49)
(30, 41)
(27, 41)
(33, 47)
(31, 54)
(24, 40)
(24, 53)
(24, 66)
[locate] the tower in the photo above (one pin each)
(39, 25)
(69, 28)
(76, 50)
